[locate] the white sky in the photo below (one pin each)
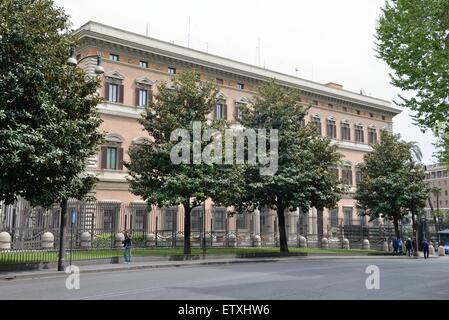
(327, 40)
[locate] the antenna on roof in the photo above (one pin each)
(148, 28)
(296, 70)
(188, 36)
(258, 52)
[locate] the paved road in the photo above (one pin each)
(287, 279)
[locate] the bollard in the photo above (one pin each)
(385, 247)
(48, 240)
(151, 240)
(366, 244)
(324, 243)
(86, 240)
(119, 238)
(232, 240)
(257, 241)
(5, 241)
(303, 242)
(431, 250)
(441, 252)
(345, 244)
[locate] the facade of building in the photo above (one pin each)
(134, 64)
(437, 177)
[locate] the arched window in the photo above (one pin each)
(316, 120)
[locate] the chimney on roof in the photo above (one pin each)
(334, 85)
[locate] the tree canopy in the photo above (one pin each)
(413, 38)
(48, 118)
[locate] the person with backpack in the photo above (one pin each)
(127, 245)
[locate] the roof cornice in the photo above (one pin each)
(136, 41)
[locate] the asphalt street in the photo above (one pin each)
(284, 280)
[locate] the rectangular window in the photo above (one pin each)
(439, 174)
(238, 111)
(143, 97)
(240, 86)
(139, 219)
(433, 175)
(219, 81)
(359, 134)
(111, 158)
(347, 213)
(241, 221)
(170, 219)
(219, 111)
(108, 214)
(345, 109)
(195, 219)
(372, 136)
(317, 122)
(315, 102)
(219, 219)
(345, 131)
(334, 217)
(143, 64)
(331, 129)
(113, 92)
(171, 71)
(113, 57)
(445, 174)
(346, 175)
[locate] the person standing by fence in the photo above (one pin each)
(127, 244)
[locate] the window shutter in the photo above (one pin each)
(150, 96)
(104, 157)
(106, 91)
(215, 112)
(120, 159)
(137, 97)
(121, 93)
(236, 112)
(226, 112)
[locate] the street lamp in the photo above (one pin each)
(71, 61)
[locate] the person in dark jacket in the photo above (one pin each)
(425, 249)
(408, 247)
(127, 244)
(395, 246)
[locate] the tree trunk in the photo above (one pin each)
(396, 227)
(187, 210)
(320, 226)
(62, 232)
(282, 232)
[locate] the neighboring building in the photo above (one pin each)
(134, 64)
(437, 176)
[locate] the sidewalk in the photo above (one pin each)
(141, 265)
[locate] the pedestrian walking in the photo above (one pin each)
(127, 245)
(409, 248)
(425, 249)
(395, 246)
(400, 245)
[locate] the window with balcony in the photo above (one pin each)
(359, 134)
(331, 129)
(345, 131)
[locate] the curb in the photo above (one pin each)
(125, 268)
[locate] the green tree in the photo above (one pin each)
(392, 184)
(303, 178)
(48, 118)
(153, 174)
(413, 38)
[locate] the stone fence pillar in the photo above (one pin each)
(48, 240)
(119, 238)
(86, 240)
(5, 241)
